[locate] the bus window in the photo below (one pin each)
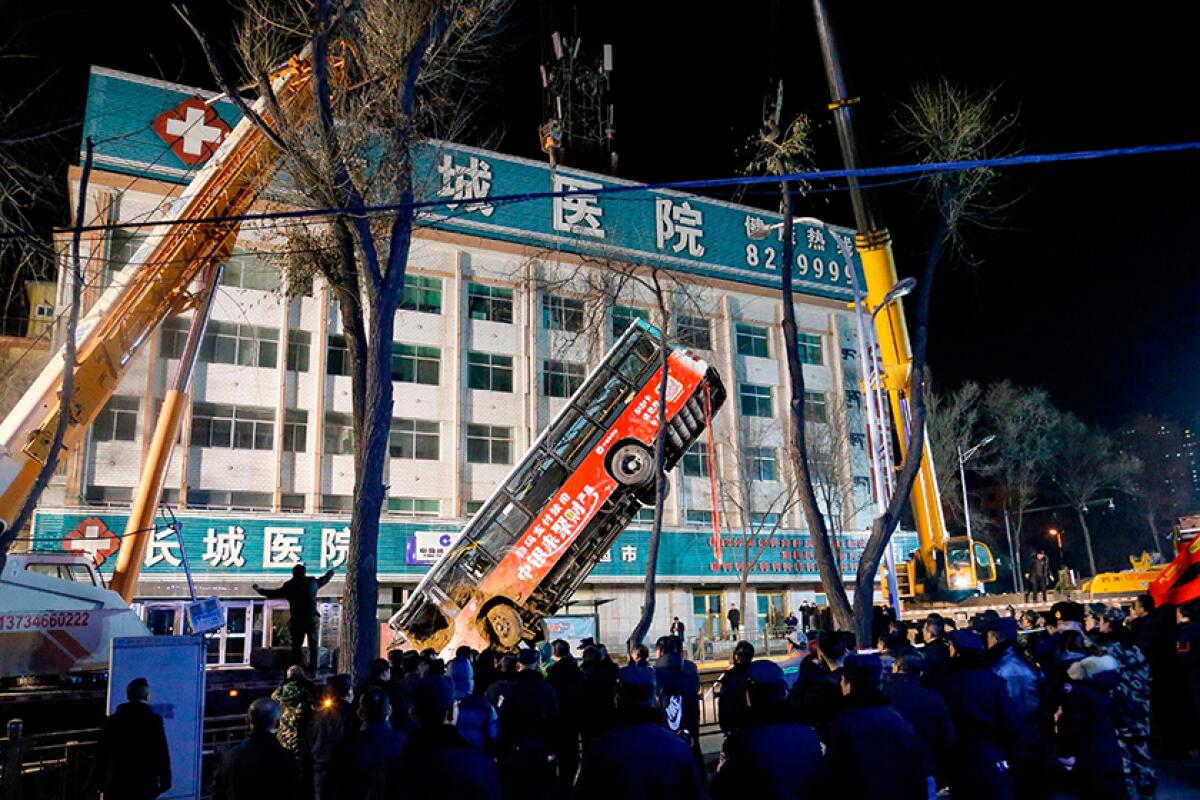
(604, 405)
(500, 530)
(537, 482)
(573, 437)
(634, 364)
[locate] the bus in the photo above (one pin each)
(535, 540)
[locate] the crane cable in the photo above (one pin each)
(712, 472)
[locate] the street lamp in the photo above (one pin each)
(872, 381)
(963, 458)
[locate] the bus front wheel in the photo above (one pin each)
(505, 623)
(632, 464)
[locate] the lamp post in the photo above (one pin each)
(963, 458)
(879, 459)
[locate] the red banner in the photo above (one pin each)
(1179, 583)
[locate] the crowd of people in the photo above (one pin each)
(1076, 701)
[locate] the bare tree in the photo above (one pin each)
(385, 76)
(953, 423)
(1088, 463)
(1164, 484)
(755, 496)
(828, 463)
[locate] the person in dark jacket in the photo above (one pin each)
(637, 759)
(978, 705)
(365, 751)
(566, 679)
(334, 720)
(301, 595)
(133, 761)
(730, 688)
(259, 767)
(507, 671)
(1087, 739)
(404, 673)
(734, 616)
(870, 750)
(817, 692)
(936, 651)
(528, 714)
(597, 692)
(764, 758)
(676, 691)
(925, 710)
(379, 676)
(473, 716)
(1025, 692)
(1039, 577)
(1153, 630)
(436, 763)
(1131, 703)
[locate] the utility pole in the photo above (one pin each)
(879, 269)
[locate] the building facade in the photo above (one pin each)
(500, 321)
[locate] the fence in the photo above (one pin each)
(61, 765)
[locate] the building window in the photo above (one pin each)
(490, 303)
(338, 436)
(245, 345)
(489, 371)
(293, 503)
(236, 427)
(694, 332)
(752, 340)
(695, 461)
(471, 507)
(644, 516)
(174, 337)
(123, 247)
(755, 400)
(117, 421)
(414, 506)
(337, 360)
(811, 351)
(417, 439)
(206, 498)
(245, 271)
(623, 317)
(108, 495)
(764, 519)
(693, 517)
(561, 313)
(337, 502)
(762, 463)
(561, 378)
(295, 430)
(815, 407)
(422, 294)
(415, 364)
(489, 444)
(299, 347)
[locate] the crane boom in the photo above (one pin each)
(197, 230)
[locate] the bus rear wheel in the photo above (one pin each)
(632, 464)
(505, 624)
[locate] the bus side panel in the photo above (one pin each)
(524, 567)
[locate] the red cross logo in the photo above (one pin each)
(93, 538)
(193, 130)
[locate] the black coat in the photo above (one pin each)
(638, 759)
(677, 692)
(1087, 733)
(257, 768)
(301, 595)
(815, 695)
(937, 664)
(978, 705)
(770, 758)
(566, 679)
(929, 716)
(437, 764)
(871, 752)
(597, 693)
(330, 725)
(132, 758)
(731, 697)
(358, 758)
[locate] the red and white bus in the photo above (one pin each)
(557, 513)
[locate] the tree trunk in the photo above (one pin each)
(831, 579)
(1087, 539)
(650, 598)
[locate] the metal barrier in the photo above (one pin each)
(61, 765)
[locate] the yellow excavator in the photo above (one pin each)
(176, 270)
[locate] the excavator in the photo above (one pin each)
(55, 616)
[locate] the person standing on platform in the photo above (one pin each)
(300, 591)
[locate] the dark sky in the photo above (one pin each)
(1089, 286)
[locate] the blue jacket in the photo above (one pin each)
(871, 752)
(1025, 691)
(437, 764)
(978, 705)
(638, 759)
(770, 758)
(929, 716)
(358, 757)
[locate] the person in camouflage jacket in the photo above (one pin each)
(1131, 702)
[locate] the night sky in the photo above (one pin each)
(1089, 286)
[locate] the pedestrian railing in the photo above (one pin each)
(61, 765)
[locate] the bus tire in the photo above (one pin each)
(632, 464)
(505, 625)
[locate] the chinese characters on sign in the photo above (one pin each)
(224, 548)
(678, 225)
(577, 214)
(469, 181)
(557, 528)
